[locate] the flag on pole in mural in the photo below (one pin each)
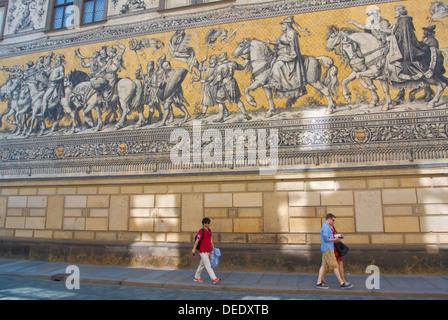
(438, 10)
(135, 45)
(179, 50)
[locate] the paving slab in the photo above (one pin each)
(425, 286)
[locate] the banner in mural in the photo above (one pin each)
(355, 86)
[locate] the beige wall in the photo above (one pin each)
(373, 208)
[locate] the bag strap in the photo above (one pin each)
(203, 232)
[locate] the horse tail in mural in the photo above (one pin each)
(128, 96)
(313, 66)
(330, 77)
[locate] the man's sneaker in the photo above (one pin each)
(216, 281)
(198, 280)
(321, 286)
(346, 285)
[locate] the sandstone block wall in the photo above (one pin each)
(289, 210)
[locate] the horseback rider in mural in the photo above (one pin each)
(106, 89)
(37, 87)
(94, 63)
(376, 25)
(429, 36)
(55, 84)
(29, 70)
(288, 75)
(378, 51)
(404, 60)
(408, 58)
(39, 74)
(106, 77)
(430, 40)
(12, 90)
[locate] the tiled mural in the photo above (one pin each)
(311, 85)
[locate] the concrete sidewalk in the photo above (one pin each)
(390, 285)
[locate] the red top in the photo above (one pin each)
(338, 258)
(206, 244)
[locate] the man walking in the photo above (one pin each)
(328, 256)
(205, 247)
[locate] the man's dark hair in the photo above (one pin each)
(205, 220)
(330, 216)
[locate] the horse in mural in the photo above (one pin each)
(71, 80)
(260, 58)
(366, 56)
(127, 94)
(55, 112)
(19, 103)
(363, 52)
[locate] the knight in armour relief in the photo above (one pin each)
(288, 71)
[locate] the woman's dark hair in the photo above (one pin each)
(205, 220)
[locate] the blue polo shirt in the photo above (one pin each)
(325, 235)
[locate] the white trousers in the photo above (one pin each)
(205, 263)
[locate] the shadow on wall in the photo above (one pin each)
(412, 260)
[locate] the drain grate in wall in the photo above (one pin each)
(60, 276)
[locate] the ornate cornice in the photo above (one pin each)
(376, 140)
(234, 13)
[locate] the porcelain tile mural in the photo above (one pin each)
(269, 87)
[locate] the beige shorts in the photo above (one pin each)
(329, 260)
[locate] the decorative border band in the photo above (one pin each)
(164, 24)
(351, 141)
